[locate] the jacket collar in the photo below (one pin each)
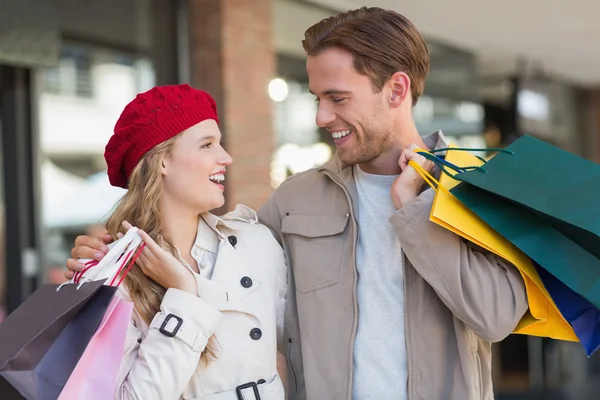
(211, 230)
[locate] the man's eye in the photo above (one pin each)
(337, 100)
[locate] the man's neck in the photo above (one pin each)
(387, 162)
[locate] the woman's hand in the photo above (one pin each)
(160, 266)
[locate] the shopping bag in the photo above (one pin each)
(8, 391)
(53, 348)
(543, 318)
(550, 181)
(96, 373)
(46, 380)
(557, 185)
(29, 331)
(581, 314)
(536, 235)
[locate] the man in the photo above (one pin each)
(387, 305)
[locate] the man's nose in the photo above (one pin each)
(324, 116)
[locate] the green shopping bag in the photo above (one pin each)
(537, 236)
(552, 182)
(544, 201)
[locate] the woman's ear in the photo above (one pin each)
(164, 163)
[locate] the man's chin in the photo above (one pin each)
(348, 158)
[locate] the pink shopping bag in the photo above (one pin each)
(95, 376)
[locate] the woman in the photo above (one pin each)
(208, 292)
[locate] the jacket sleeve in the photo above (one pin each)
(281, 282)
(482, 290)
(288, 343)
(158, 366)
(269, 216)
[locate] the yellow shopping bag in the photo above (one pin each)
(543, 318)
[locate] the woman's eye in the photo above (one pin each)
(207, 146)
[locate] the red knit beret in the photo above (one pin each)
(150, 119)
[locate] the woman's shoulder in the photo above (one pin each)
(241, 213)
(245, 220)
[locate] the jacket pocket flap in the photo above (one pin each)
(311, 226)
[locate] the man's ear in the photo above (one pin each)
(399, 85)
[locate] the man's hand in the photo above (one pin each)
(409, 184)
(87, 247)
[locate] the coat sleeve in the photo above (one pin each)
(158, 366)
(281, 282)
(268, 216)
(484, 291)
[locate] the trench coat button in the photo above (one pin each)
(255, 334)
(246, 282)
(232, 240)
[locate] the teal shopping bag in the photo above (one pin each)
(554, 183)
(539, 237)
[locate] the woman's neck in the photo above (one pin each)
(180, 225)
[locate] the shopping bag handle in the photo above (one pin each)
(493, 149)
(131, 263)
(120, 257)
(107, 267)
(441, 163)
(427, 177)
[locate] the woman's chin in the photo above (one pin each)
(217, 203)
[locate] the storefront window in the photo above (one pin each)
(80, 102)
(460, 121)
(298, 145)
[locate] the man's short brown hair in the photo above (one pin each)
(382, 42)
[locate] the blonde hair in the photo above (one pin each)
(140, 207)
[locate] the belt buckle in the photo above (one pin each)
(240, 396)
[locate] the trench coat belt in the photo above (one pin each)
(272, 390)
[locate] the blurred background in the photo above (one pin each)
(68, 67)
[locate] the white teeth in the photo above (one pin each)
(340, 134)
(217, 178)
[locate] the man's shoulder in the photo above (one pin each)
(301, 180)
(301, 187)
